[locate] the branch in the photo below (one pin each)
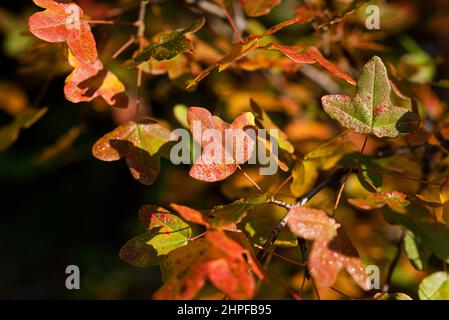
(336, 177)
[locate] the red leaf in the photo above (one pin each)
(331, 250)
(219, 159)
(63, 22)
(191, 215)
(227, 263)
(89, 81)
(311, 55)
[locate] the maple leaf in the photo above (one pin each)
(89, 81)
(165, 233)
(331, 249)
(256, 8)
(167, 45)
(310, 55)
(220, 157)
(371, 110)
(63, 22)
(139, 143)
(228, 264)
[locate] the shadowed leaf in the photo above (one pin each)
(139, 144)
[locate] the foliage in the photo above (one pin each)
(362, 164)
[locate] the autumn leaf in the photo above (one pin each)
(331, 249)
(435, 287)
(220, 217)
(89, 81)
(256, 8)
(64, 22)
(139, 143)
(371, 110)
(24, 120)
(224, 148)
(228, 264)
(237, 52)
(167, 45)
(311, 55)
(325, 157)
(165, 233)
(263, 121)
(394, 199)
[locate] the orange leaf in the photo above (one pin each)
(63, 22)
(88, 82)
(219, 159)
(227, 263)
(311, 55)
(331, 250)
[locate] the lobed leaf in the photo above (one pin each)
(218, 160)
(167, 45)
(371, 110)
(89, 81)
(166, 232)
(139, 143)
(59, 23)
(331, 249)
(228, 264)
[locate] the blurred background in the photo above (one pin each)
(61, 206)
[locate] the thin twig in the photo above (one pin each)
(125, 46)
(140, 38)
(301, 264)
(393, 264)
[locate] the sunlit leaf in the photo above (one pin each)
(139, 143)
(166, 232)
(167, 45)
(371, 110)
(89, 81)
(64, 22)
(220, 157)
(311, 55)
(223, 261)
(331, 250)
(435, 287)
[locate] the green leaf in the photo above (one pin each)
(166, 232)
(258, 225)
(417, 252)
(10, 132)
(371, 110)
(435, 287)
(167, 45)
(428, 235)
(369, 177)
